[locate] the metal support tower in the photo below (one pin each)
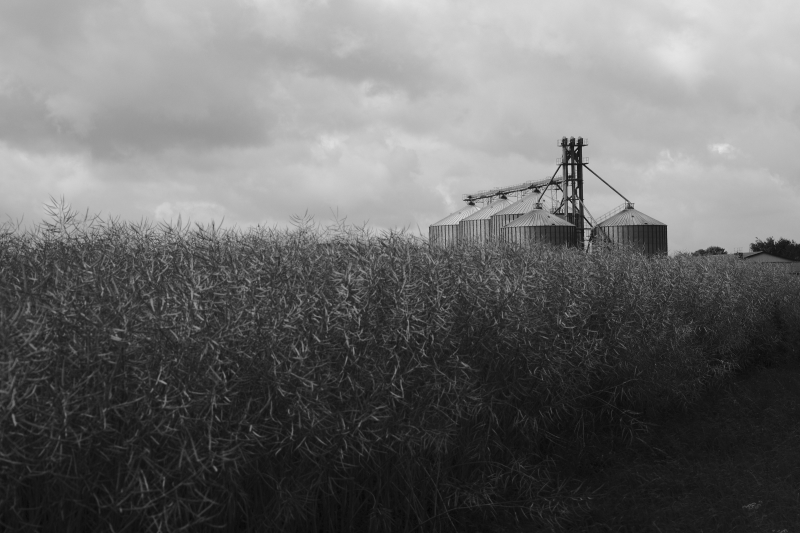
(569, 186)
(572, 175)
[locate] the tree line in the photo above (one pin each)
(785, 248)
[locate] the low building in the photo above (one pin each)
(764, 258)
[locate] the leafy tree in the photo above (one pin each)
(781, 248)
(711, 250)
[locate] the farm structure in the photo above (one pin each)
(632, 227)
(539, 225)
(564, 219)
(502, 218)
(478, 226)
(761, 258)
(446, 230)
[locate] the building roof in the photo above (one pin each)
(763, 257)
(631, 217)
(454, 218)
(525, 205)
(538, 217)
(489, 210)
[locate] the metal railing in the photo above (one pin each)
(618, 209)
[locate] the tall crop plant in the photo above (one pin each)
(165, 377)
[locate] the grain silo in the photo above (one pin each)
(565, 188)
(517, 209)
(632, 227)
(477, 227)
(445, 232)
(540, 227)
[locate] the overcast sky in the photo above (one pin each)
(389, 110)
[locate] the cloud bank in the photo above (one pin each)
(388, 111)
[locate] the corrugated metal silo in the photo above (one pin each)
(445, 232)
(517, 209)
(632, 227)
(477, 228)
(539, 226)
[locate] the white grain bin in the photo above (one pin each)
(632, 227)
(445, 232)
(517, 209)
(477, 228)
(540, 227)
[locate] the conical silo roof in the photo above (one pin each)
(526, 204)
(486, 212)
(538, 217)
(458, 216)
(630, 217)
(630, 227)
